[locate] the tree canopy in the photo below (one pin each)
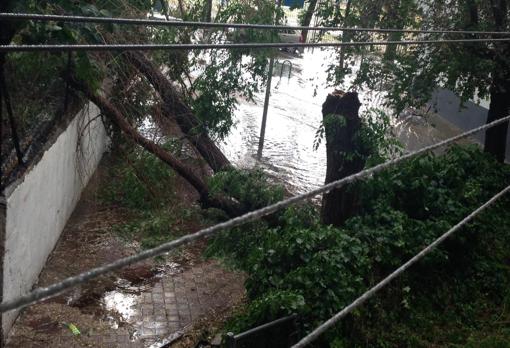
(474, 71)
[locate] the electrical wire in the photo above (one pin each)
(153, 47)
(54, 289)
(179, 23)
(368, 294)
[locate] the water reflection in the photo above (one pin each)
(294, 116)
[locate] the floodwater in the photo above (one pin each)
(295, 115)
(122, 304)
(299, 89)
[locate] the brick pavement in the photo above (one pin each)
(173, 303)
(162, 303)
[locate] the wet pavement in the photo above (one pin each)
(139, 306)
(145, 304)
(295, 114)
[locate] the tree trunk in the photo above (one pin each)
(346, 35)
(496, 137)
(208, 11)
(371, 14)
(174, 108)
(342, 124)
(7, 28)
(395, 22)
(182, 8)
(231, 207)
(308, 18)
(164, 7)
(7, 31)
(337, 15)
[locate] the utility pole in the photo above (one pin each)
(266, 106)
(268, 94)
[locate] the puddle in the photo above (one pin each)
(169, 268)
(295, 113)
(122, 305)
(121, 309)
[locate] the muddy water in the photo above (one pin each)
(294, 117)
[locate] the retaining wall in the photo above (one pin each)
(38, 205)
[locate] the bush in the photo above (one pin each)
(404, 209)
(151, 228)
(139, 181)
(251, 188)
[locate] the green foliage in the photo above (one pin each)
(141, 181)
(375, 138)
(215, 103)
(404, 209)
(411, 73)
(151, 228)
(38, 78)
(30, 87)
(144, 188)
(37, 32)
(213, 80)
(275, 304)
(251, 188)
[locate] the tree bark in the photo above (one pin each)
(308, 18)
(231, 207)
(174, 108)
(346, 36)
(496, 137)
(7, 28)
(7, 31)
(371, 13)
(395, 22)
(342, 124)
(208, 11)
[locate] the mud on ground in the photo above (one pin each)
(137, 306)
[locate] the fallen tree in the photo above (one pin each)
(207, 200)
(174, 108)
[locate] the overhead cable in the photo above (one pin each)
(179, 23)
(54, 289)
(368, 294)
(155, 47)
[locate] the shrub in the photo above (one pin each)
(404, 209)
(139, 181)
(251, 188)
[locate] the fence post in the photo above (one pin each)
(230, 340)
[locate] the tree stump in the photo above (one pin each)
(345, 155)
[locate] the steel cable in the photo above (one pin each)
(179, 23)
(154, 47)
(368, 294)
(54, 289)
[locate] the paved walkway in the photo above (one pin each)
(170, 305)
(135, 307)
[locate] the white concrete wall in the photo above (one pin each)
(39, 206)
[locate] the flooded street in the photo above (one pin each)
(295, 115)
